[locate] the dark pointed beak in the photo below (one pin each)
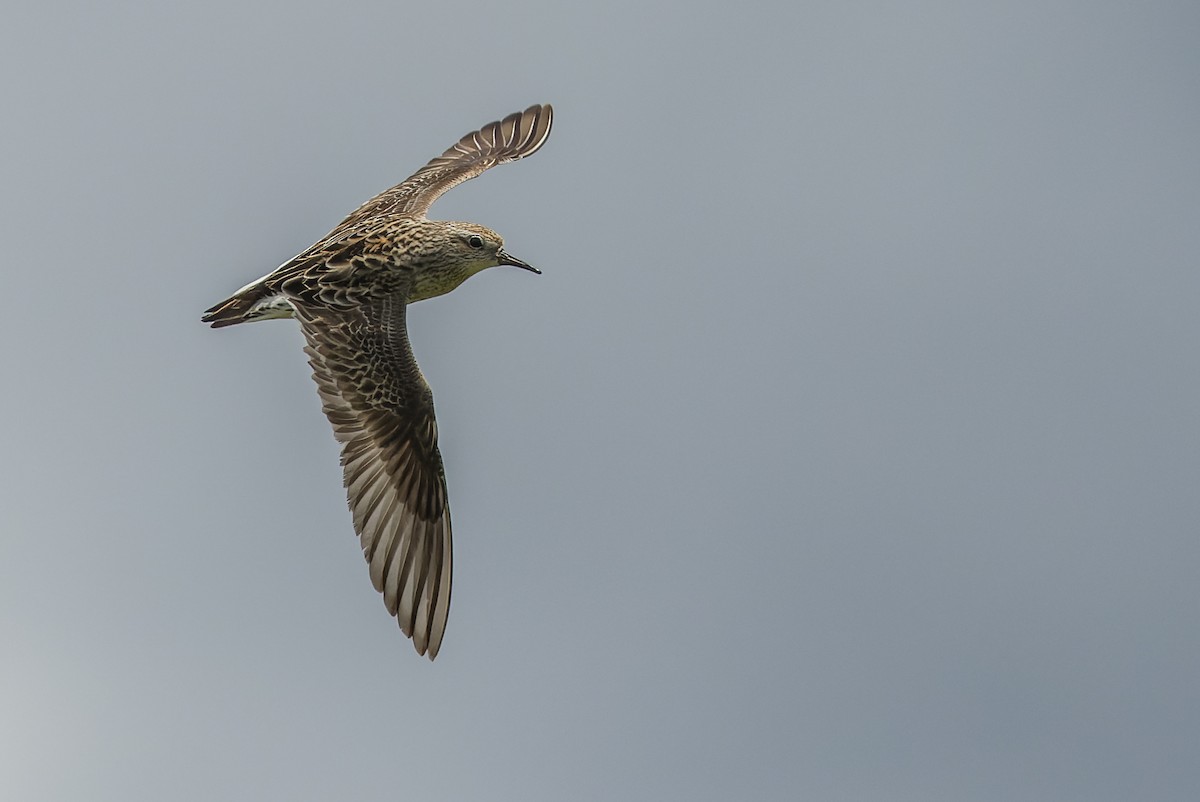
(506, 259)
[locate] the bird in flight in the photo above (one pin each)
(349, 292)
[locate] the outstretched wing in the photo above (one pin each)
(516, 136)
(382, 414)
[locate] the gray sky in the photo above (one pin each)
(848, 448)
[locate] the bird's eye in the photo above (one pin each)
(475, 241)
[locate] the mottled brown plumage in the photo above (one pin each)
(349, 292)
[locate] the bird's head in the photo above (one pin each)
(453, 252)
(480, 248)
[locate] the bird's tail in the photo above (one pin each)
(252, 302)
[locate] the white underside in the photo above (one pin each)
(276, 306)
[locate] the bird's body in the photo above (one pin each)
(349, 292)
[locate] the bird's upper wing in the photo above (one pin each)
(382, 414)
(516, 136)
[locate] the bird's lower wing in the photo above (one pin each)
(381, 410)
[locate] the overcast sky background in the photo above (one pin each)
(848, 449)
